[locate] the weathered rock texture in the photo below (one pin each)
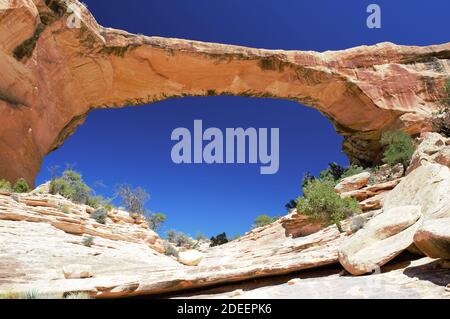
(44, 247)
(52, 76)
(400, 225)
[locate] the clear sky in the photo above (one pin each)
(133, 144)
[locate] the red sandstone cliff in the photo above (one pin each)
(52, 76)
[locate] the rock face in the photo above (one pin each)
(353, 183)
(418, 279)
(427, 186)
(48, 244)
(382, 239)
(433, 238)
(53, 75)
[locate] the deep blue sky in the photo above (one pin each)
(133, 144)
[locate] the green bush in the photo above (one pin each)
(155, 221)
(399, 148)
(97, 201)
(219, 240)
(264, 220)
(71, 186)
(321, 203)
(21, 186)
(100, 215)
(5, 185)
(88, 241)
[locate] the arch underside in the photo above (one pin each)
(62, 73)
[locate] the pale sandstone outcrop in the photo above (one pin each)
(39, 241)
(382, 239)
(53, 76)
(77, 271)
(433, 238)
(431, 149)
(190, 257)
(427, 186)
(353, 183)
(418, 279)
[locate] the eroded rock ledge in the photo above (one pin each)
(52, 76)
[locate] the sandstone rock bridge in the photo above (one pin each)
(52, 76)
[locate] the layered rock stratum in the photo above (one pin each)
(53, 246)
(52, 76)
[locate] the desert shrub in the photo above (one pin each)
(5, 185)
(336, 171)
(321, 203)
(292, 204)
(97, 201)
(88, 241)
(99, 215)
(399, 148)
(352, 170)
(109, 207)
(307, 177)
(63, 208)
(264, 220)
(21, 186)
(201, 237)
(155, 221)
(179, 239)
(169, 249)
(133, 199)
(219, 240)
(71, 186)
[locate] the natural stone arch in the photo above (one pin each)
(52, 76)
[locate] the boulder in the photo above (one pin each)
(427, 186)
(430, 145)
(433, 238)
(77, 272)
(443, 156)
(352, 183)
(386, 173)
(383, 238)
(190, 257)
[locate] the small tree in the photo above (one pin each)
(321, 203)
(399, 148)
(133, 199)
(219, 240)
(71, 186)
(155, 221)
(21, 186)
(264, 220)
